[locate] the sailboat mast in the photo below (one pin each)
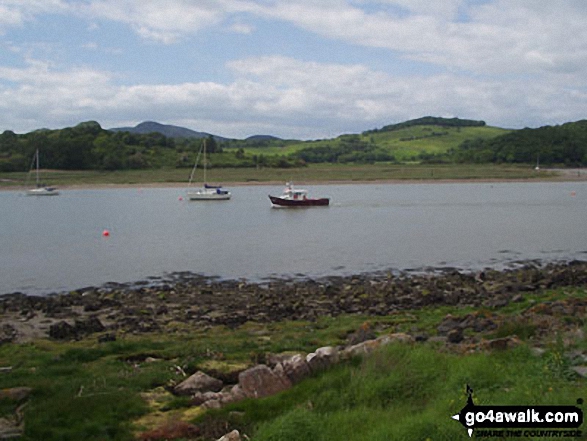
(37, 159)
(205, 164)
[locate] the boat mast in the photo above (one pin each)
(37, 159)
(205, 162)
(194, 169)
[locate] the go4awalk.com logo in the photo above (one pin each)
(520, 421)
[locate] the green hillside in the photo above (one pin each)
(410, 142)
(425, 140)
(405, 144)
(561, 144)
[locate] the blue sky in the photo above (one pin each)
(302, 69)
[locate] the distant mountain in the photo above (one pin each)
(262, 138)
(165, 129)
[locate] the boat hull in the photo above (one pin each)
(208, 196)
(310, 202)
(42, 192)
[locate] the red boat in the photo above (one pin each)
(297, 198)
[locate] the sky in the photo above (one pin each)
(303, 69)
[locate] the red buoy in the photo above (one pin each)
(105, 233)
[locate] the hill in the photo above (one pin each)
(167, 130)
(149, 145)
(262, 138)
(560, 144)
(430, 121)
(410, 141)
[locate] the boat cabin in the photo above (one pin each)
(296, 195)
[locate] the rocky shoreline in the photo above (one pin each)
(200, 301)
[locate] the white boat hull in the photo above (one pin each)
(42, 192)
(207, 195)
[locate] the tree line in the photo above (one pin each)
(565, 144)
(348, 148)
(89, 147)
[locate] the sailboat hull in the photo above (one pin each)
(40, 190)
(43, 191)
(207, 194)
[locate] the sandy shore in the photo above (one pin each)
(563, 175)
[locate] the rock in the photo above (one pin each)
(212, 400)
(64, 331)
(501, 344)
(88, 326)
(212, 404)
(15, 393)
(364, 333)
(198, 382)
(322, 358)
(10, 429)
(232, 436)
(106, 338)
(236, 394)
(448, 324)
(400, 337)
(61, 331)
(580, 370)
(437, 339)
(538, 352)
(497, 302)
(273, 360)
(455, 335)
(260, 381)
(7, 333)
(171, 430)
(360, 349)
(200, 398)
(296, 368)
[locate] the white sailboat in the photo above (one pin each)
(207, 192)
(40, 190)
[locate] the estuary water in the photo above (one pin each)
(54, 244)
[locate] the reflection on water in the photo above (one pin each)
(54, 244)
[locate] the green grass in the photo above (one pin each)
(403, 392)
(92, 391)
(404, 144)
(410, 142)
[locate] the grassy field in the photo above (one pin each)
(404, 144)
(312, 173)
(116, 390)
(412, 141)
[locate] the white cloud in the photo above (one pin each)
(171, 20)
(280, 95)
(17, 12)
(509, 63)
(242, 28)
(162, 21)
(499, 37)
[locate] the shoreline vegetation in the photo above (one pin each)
(312, 174)
(106, 362)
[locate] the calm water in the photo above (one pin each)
(55, 243)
